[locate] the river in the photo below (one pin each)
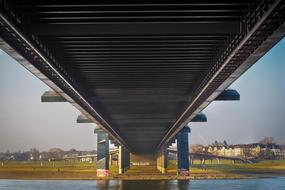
(243, 184)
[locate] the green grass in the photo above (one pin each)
(226, 166)
(51, 170)
(81, 170)
(34, 165)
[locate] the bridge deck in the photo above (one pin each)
(142, 70)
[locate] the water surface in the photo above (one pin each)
(243, 184)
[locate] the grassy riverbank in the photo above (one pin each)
(226, 169)
(50, 170)
(77, 170)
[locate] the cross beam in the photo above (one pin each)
(51, 96)
(228, 95)
(134, 29)
(201, 117)
(83, 119)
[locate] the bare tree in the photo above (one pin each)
(225, 143)
(267, 140)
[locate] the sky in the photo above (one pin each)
(25, 122)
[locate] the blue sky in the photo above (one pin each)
(25, 122)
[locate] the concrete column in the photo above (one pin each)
(127, 160)
(102, 154)
(165, 160)
(162, 160)
(110, 160)
(158, 162)
(183, 152)
(123, 159)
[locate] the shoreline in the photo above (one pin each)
(84, 171)
(89, 176)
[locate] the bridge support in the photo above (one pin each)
(51, 96)
(83, 119)
(102, 153)
(162, 160)
(123, 159)
(183, 152)
(228, 95)
(110, 159)
(201, 117)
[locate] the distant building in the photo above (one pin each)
(279, 154)
(87, 158)
(248, 151)
(70, 157)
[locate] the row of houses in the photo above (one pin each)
(248, 151)
(54, 154)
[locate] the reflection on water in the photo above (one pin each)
(94, 185)
(142, 184)
(147, 185)
(248, 184)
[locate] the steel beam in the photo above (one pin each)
(144, 98)
(140, 121)
(133, 29)
(141, 116)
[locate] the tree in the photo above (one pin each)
(34, 154)
(267, 140)
(196, 148)
(282, 146)
(73, 150)
(56, 150)
(225, 143)
(56, 153)
(216, 143)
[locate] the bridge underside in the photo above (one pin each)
(142, 71)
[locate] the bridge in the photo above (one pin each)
(140, 71)
(203, 156)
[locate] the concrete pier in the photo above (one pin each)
(162, 160)
(102, 153)
(123, 159)
(183, 152)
